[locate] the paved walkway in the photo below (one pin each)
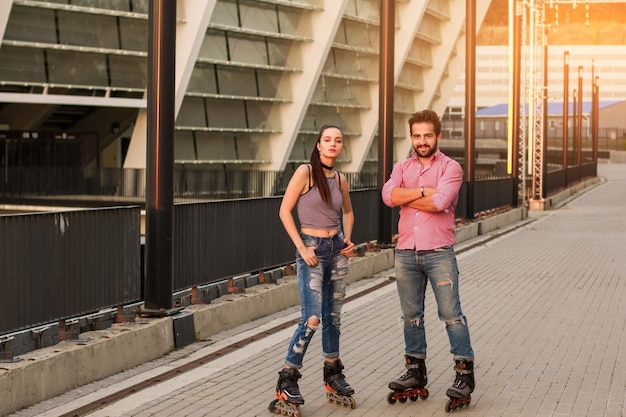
(547, 312)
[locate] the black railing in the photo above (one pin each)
(76, 186)
(55, 266)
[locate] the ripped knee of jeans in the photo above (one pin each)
(408, 322)
(313, 322)
(457, 320)
(444, 283)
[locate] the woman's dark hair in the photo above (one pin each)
(319, 178)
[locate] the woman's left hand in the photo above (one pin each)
(348, 250)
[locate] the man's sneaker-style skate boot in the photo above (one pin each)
(462, 386)
(339, 390)
(288, 397)
(410, 385)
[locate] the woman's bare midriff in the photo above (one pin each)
(319, 232)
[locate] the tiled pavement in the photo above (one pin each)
(546, 305)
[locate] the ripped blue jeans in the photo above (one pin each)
(322, 291)
(414, 269)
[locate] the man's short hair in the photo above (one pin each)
(426, 116)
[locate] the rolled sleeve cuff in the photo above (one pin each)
(386, 194)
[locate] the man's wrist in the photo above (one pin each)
(422, 190)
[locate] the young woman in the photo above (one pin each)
(320, 195)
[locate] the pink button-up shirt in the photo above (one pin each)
(420, 230)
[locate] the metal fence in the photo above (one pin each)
(115, 186)
(56, 266)
(221, 239)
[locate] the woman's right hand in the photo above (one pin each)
(308, 254)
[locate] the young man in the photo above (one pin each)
(426, 187)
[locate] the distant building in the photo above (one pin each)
(492, 122)
(492, 74)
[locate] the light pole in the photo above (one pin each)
(565, 113)
(385, 121)
(579, 120)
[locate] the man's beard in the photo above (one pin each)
(430, 152)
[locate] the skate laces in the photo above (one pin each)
(406, 376)
(459, 383)
(410, 373)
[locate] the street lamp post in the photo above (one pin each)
(565, 113)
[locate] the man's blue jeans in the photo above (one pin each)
(414, 269)
(322, 291)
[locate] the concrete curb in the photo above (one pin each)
(564, 196)
(48, 372)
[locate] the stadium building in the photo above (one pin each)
(255, 79)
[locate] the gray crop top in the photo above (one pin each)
(314, 213)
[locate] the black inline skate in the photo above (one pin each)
(339, 390)
(410, 385)
(288, 397)
(462, 386)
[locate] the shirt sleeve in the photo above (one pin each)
(395, 180)
(448, 186)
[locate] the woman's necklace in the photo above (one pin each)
(326, 166)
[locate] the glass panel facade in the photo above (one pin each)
(291, 23)
(237, 81)
(247, 146)
(203, 80)
(321, 115)
(226, 114)
(268, 83)
(262, 17)
(364, 9)
(257, 113)
(278, 52)
(120, 5)
(192, 113)
(140, 6)
(184, 146)
(77, 68)
(215, 146)
(128, 71)
(421, 53)
(75, 28)
(299, 152)
(403, 101)
(225, 13)
(31, 25)
(351, 63)
(411, 75)
(247, 49)
(214, 46)
(133, 34)
(87, 30)
(357, 34)
(22, 64)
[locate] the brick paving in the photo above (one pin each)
(545, 305)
